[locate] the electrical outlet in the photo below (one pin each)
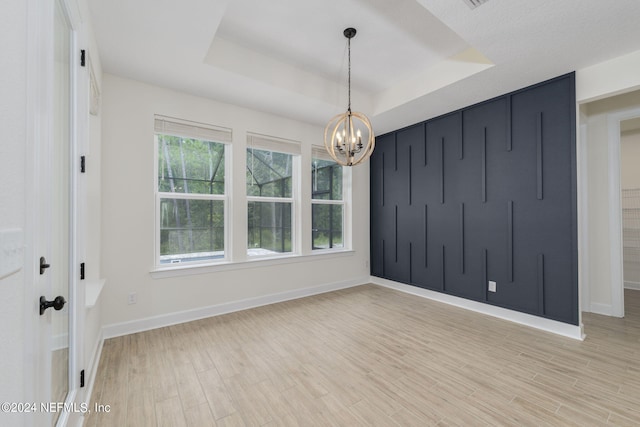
(492, 286)
(133, 298)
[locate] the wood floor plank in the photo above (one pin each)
(141, 410)
(580, 417)
(248, 402)
(189, 388)
(164, 380)
(199, 416)
(370, 356)
(169, 413)
(216, 394)
(371, 415)
(337, 413)
(301, 405)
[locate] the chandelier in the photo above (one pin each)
(348, 137)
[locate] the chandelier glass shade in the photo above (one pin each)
(348, 137)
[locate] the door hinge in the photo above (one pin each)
(82, 271)
(83, 164)
(82, 58)
(82, 378)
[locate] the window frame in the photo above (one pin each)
(321, 154)
(283, 146)
(236, 202)
(160, 195)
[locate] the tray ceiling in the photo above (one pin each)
(411, 59)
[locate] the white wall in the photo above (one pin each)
(616, 76)
(128, 208)
(630, 159)
(597, 169)
(13, 34)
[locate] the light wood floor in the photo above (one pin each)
(370, 356)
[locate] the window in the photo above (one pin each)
(272, 183)
(191, 195)
(327, 204)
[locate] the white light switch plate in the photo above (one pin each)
(11, 251)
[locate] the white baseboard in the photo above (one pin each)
(140, 325)
(604, 309)
(553, 326)
(632, 285)
(90, 376)
(93, 367)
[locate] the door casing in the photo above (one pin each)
(38, 342)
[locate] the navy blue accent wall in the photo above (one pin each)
(484, 193)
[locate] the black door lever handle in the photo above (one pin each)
(43, 265)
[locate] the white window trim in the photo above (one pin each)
(192, 196)
(292, 148)
(158, 195)
(177, 270)
(320, 153)
(242, 260)
(270, 199)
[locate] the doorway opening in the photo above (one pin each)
(606, 125)
(630, 187)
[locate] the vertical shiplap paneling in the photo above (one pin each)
(411, 197)
(382, 180)
(510, 240)
(426, 156)
(381, 212)
(541, 309)
(410, 176)
(395, 151)
(515, 148)
(384, 264)
(410, 262)
(461, 238)
(508, 127)
(444, 270)
(442, 170)
(539, 158)
(461, 140)
(426, 236)
(395, 232)
(485, 273)
(484, 165)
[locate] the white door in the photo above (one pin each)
(57, 382)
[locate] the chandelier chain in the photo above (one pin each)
(349, 84)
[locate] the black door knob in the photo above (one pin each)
(57, 304)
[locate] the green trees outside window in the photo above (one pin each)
(191, 199)
(270, 202)
(327, 209)
(193, 220)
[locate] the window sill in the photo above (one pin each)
(194, 269)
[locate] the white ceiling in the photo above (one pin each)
(411, 59)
